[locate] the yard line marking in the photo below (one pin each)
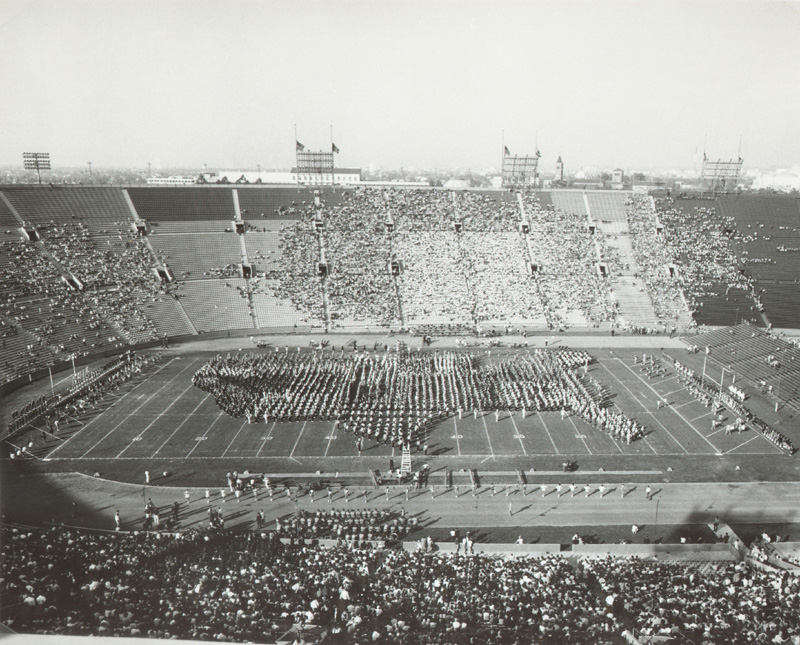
(458, 443)
(234, 437)
(158, 416)
(541, 418)
(699, 434)
(266, 438)
(485, 427)
(669, 378)
(753, 438)
(197, 443)
(107, 409)
(614, 376)
(700, 417)
(671, 392)
(580, 435)
(291, 454)
(525, 452)
(683, 405)
(330, 438)
(188, 416)
(139, 407)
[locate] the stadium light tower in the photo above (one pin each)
(91, 177)
(37, 161)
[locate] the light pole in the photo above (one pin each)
(148, 169)
(91, 177)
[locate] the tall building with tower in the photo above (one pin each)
(559, 176)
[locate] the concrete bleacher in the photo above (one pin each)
(263, 250)
(569, 201)
(7, 219)
(272, 311)
(183, 203)
(635, 303)
(745, 348)
(782, 304)
(168, 316)
(214, 305)
(39, 315)
(92, 206)
(20, 349)
(608, 211)
(191, 256)
(204, 226)
(779, 214)
(282, 202)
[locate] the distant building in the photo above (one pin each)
(559, 176)
(171, 181)
(617, 179)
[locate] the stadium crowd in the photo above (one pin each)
(571, 288)
(653, 258)
(695, 237)
(463, 261)
(237, 587)
(348, 525)
(394, 397)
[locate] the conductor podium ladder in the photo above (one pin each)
(405, 462)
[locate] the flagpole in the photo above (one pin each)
(502, 155)
(296, 161)
(333, 163)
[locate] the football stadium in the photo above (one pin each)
(396, 384)
(398, 378)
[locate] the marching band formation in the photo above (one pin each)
(394, 398)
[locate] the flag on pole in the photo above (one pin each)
(299, 146)
(334, 149)
(506, 151)
(538, 154)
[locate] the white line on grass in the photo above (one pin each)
(291, 454)
(743, 443)
(197, 443)
(518, 436)
(458, 444)
(699, 434)
(139, 407)
(266, 438)
(188, 416)
(541, 418)
(485, 427)
(158, 416)
(234, 438)
(107, 409)
(330, 438)
(614, 376)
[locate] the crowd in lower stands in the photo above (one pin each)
(254, 587)
(394, 397)
(698, 238)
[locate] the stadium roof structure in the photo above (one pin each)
(336, 171)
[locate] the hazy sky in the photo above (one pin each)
(404, 83)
